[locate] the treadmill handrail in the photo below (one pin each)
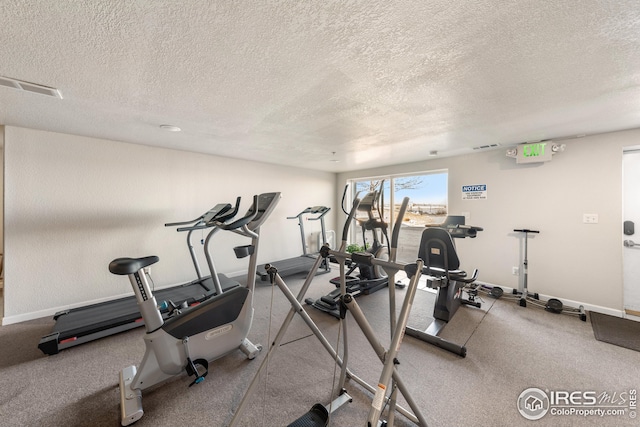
(251, 214)
(321, 210)
(223, 216)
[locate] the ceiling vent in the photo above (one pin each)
(484, 147)
(29, 87)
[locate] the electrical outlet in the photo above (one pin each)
(590, 218)
(515, 271)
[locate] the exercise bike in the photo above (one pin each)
(437, 250)
(195, 336)
(370, 277)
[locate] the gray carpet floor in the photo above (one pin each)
(510, 349)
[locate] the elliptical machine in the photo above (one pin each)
(370, 277)
(192, 338)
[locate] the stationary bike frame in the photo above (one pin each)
(199, 334)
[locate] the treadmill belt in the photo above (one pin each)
(84, 324)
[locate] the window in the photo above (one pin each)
(428, 204)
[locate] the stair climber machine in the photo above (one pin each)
(438, 251)
(84, 324)
(195, 336)
(303, 263)
(370, 278)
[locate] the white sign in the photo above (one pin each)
(474, 192)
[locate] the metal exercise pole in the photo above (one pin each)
(525, 265)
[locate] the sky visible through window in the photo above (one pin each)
(432, 188)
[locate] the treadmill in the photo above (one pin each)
(303, 263)
(84, 324)
(219, 213)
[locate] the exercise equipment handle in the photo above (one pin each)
(221, 216)
(171, 224)
(398, 224)
(322, 210)
(251, 214)
(347, 224)
(228, 215)
(344, 196)
(526, 230)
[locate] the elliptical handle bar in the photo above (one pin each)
(347, 224)
(239, 223)
(398, 224)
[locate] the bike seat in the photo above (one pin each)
(123, 266)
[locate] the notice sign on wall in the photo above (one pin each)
(474, 192)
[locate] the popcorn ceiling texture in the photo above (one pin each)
(377, 82)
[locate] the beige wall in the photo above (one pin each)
(72, 204)
(1, 187)
(569, 260)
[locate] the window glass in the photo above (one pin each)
(428, 204)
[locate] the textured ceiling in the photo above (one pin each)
(376, 82)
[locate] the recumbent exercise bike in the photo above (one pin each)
(442, 268)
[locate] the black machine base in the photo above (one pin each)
(318, 416)
(330, 303)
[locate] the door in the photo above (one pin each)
(631, 231)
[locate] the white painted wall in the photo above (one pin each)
(72, 204)
(570, 260)
(1, 186)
